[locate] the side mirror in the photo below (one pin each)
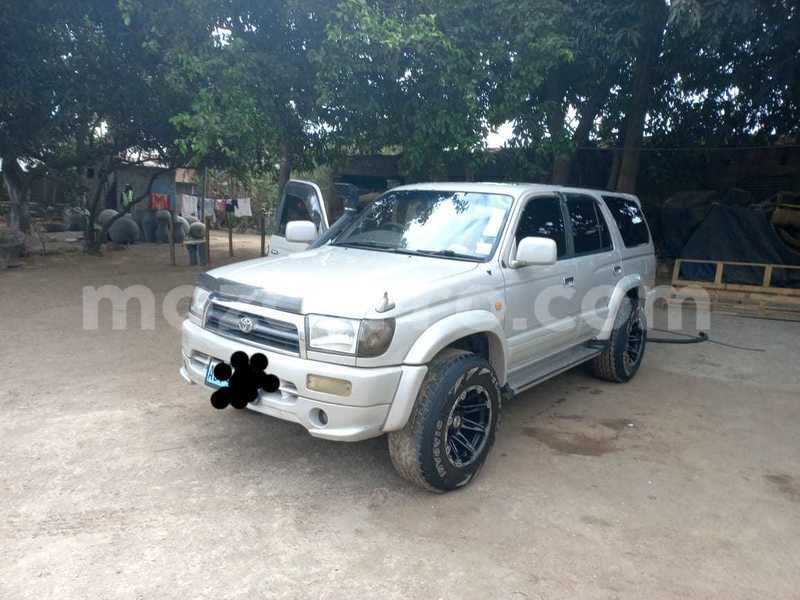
(535, 251)
(301, 232)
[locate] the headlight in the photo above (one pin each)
(375, 337)
(199, 301)
(349, 336)
(332, 334)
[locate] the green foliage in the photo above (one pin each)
(254, 83)
(241, 84)
(83, 86)
(573, 57)
(731, 73)
(397, 74)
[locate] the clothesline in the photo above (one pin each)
(189, 205)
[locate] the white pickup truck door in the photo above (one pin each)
(301, 201)
(541, 302)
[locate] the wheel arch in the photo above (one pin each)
(478, 331)
(632, 287)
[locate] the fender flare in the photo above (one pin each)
(436, 338)
(446, 331)
(621, 290)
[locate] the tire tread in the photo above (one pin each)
(608, 366)
(405, 446)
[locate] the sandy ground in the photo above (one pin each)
(119, 481)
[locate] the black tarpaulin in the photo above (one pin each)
(739, 234)
(684, 212)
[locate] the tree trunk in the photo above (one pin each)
(634, 127)
(93, 237)
(554, 100)
(285, 171)
(562, 168)
(654, 20)
(469, 169)
(17, 188)
(613, 175)
(562, 165)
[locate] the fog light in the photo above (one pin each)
(328, 385)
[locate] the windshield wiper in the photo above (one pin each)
(365, 244)
(448, 254)
(389, 248)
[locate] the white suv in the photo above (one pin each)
(434, 304)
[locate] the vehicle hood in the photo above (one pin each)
(347, 282)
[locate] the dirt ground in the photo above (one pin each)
(117, 480)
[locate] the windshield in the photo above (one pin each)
(463, 225)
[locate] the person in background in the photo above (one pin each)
(127, 197)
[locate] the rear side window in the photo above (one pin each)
(589, 230)
(630, 221)
(542, 217)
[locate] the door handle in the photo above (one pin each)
(569, 281)
(618, 270)
(275, 252)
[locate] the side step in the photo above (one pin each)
(533, 374)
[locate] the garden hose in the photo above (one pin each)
(700, 338)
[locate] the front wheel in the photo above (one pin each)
(452, 427)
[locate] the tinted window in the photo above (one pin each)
(630, 221)
(589, 230)
(542, 217)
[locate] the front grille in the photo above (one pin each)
(265, 332)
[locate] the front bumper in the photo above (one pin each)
(359, 416)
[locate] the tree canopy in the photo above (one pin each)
(244, 85)
(83, 88)
(730, 74)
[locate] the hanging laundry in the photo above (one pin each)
(208, 206)
(220, 211)
(159, 201)
(188, 206)
(243, 208)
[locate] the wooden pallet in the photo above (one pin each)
(765, 300)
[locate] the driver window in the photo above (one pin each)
(294, 209)
(542, 217)
(301, 203)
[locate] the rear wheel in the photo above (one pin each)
(621, 360)
(452, 427)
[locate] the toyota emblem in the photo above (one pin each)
(246, 325)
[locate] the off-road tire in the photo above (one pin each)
(417, 451)
(611, 365)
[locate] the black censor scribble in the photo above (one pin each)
(245, 376)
